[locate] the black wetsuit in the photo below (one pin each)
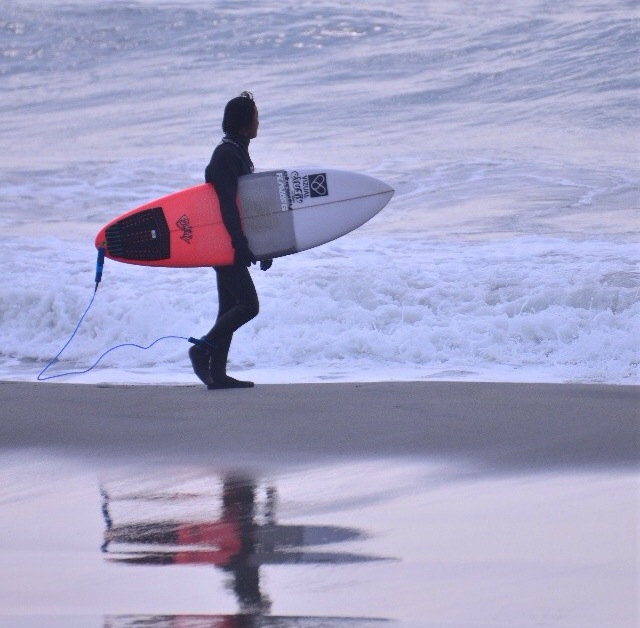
(238, 300)
(230, 160)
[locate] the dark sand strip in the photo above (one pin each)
(497, 426)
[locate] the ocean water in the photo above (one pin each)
(509, 131)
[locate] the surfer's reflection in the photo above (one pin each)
(237, 621)
(240, 538)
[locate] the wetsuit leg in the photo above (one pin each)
(238, 304)
(226, 302)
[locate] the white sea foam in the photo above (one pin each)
(555, 310)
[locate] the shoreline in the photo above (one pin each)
(303, 375)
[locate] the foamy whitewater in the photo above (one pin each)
(509, 131)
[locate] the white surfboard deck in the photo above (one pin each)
(295, 209)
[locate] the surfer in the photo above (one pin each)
(237, 297)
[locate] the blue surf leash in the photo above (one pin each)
(99, 268)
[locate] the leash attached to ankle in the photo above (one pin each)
(202, 343)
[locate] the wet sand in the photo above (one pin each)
(495, 425)
(419, 504)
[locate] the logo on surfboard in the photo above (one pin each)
(283, 190)
(318, 185)
(307, 186)
(187, 231)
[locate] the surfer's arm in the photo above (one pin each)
(223, 174)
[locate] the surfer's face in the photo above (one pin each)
(251, 130)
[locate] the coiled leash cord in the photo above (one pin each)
(99, 266)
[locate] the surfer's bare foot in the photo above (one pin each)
(228, 382)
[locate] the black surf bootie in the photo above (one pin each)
(218, 374)
(228, 382)
(200, 356)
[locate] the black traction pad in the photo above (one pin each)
(142, 236)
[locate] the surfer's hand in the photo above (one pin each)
(244, 255)
(265, 264)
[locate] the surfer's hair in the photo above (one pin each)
(239, 112)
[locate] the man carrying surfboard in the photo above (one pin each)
(237, 297)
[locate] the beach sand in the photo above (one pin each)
(441, 503)
(495, 425)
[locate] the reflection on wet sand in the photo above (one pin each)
(237, 621)
(235, 533)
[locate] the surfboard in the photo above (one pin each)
(282, 211)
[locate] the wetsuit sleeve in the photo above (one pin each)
(223, 171)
